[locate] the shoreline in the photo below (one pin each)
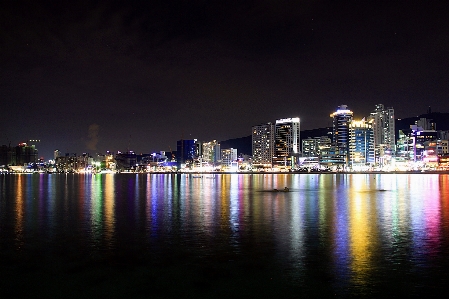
(195, 173)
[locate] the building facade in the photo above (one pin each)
(211, 152)
(186, 153)
(341, 119)
(287, 143)
(312, 147)
(361, 145)
(384, 130)
(263, 137)
(228, 156)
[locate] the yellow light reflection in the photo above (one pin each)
(361, 229)
(224, 205)
(109, 204)
(19, 212)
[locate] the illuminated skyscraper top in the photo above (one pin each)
(340, 129)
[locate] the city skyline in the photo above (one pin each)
(91, 77)
(350, 144)
(36, 142)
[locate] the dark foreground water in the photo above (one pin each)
(224, 236)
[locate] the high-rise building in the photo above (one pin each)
(187, 152)
(25, 154)
(384, 129)
(57, 153)
(263, 137)
(287, 142)
(361, 145)
(228, 156)
(211, 152)
(340, 130)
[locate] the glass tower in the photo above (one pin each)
(340, 130)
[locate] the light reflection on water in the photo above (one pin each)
(346, 234)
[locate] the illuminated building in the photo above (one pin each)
(311, 147)
(404, 146)
(340, 130)
(263, 137)
(287, 142)
(411, 143)
(383, 126)
(429, 154)
(67, 163)
(444, 162)
(211, 152)
(361, 144)
(442, 147)
(187, 152)
(331, 157)
(228, 156)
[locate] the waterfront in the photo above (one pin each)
(222, 235)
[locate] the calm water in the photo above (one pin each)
(223, 236)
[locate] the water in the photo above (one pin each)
(221, 236)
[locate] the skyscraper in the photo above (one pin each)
(211, 152)
(383, 128)
(263, 137)
(340, 130)
(187, 152)
(361, 145)
(287, 142)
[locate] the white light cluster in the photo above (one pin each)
(287, 120)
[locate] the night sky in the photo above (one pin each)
(139, 75)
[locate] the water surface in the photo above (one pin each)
(173, 236)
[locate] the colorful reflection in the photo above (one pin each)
(362, 228)
(19, 211)
(109, 205)
(96, 213)
(352, 225)
(443, 187)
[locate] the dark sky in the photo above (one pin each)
(95, 76)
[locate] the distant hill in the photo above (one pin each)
(242, 144)
(441, 120)
(316, 133)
